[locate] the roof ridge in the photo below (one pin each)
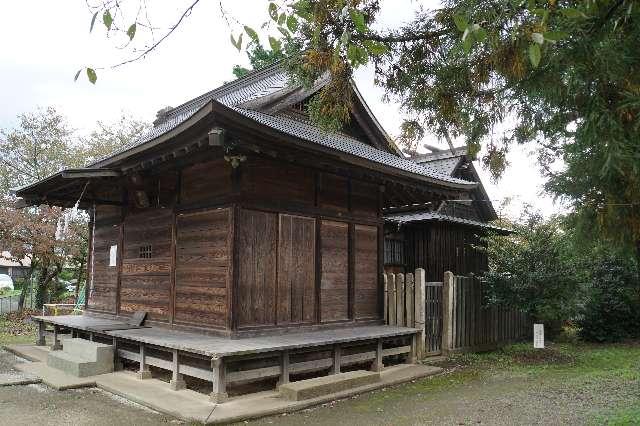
(229, 86)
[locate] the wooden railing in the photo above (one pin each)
(451, 315)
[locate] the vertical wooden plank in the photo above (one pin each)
(386, 299)
(335, 275)
(377, 364)
(352, 262)
(391, 281)
(409, 300)
(172, 270)
(419, 310)
(400, 321)
(319, 260)
(284, 367)
(177, 382)
(448, 313)
(366, 280)
(143, 371)
(337, 353)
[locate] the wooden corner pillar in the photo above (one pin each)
(377, 364)
(448, 303)
(219, 381)
(420, 311)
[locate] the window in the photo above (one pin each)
(145, 252)
(393, 251)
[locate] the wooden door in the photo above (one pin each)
(366, 272)
(334, 285)
(202, 267)
(257, 245)
(296, 270)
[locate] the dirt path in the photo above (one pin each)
(40, 405)
(498, 396)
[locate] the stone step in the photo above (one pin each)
(321, 386)
(78, 366)
(86, 349)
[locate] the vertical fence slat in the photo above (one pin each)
(400, 321)
(391, 294)
(419, 309)
(409, 303)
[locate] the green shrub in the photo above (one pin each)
(612, 312)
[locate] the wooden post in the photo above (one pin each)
(143, 372)
(91, 336)
(409, 304)
(447, 311)
(420, 311)
(56, 343)
(391, 299)
(377, 364)
(400, 300)
(219, 393)
(177, 382)
(284, 368)
(411, 358)
(41, 341)
(337, 352)
(117, 364)
(386, 299)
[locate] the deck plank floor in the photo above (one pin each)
(221, 346)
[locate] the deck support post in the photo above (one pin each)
(411, 356)
(56, 343)
(219, 392)
(117, 364)
(177, 382)
(337, 354)
(91, 336)
(143, 372)
(284, 368)
(377, 364)
(41, 341)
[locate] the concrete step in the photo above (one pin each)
(92, 351)
(320, 386)
(76, 365)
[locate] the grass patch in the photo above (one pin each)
(621, 417)
(15, 328)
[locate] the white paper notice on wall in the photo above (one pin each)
(538, 336)
(113, 255)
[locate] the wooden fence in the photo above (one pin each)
(450, 315)
(468, 325)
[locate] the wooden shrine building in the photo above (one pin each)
(443, 235)
(235, 218)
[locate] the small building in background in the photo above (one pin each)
(13, 268)
(442, 236)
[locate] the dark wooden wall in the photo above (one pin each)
(270, 244)
(441, 247)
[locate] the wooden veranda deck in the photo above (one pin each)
(225, 361)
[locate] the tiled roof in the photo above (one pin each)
(269, 81)
(402, 218)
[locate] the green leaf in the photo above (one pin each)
(273, 11)
(358, 20)
(284, 32)
(77, 75)
(356, 55)
(555, 35)
(302, 8)
(572, 13)
(467, 42)
(461, 22)
(282, 18)
(534, 55)
(91, 75)
(375, 48)
(131, 32)
(275, 44)
(107, 19)
(481, 34)
(251, 33)
(93, 21)
(537, 38)
(237, 43)
(292, 23)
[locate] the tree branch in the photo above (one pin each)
(395, 38)
(157, 43)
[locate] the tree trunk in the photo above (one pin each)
(25, 287)
(78, 279)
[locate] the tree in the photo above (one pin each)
(41, 145)
(536, 270)
(561, 73)
(259, 57)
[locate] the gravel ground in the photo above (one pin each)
(41, 405)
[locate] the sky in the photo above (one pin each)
(44, 43)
